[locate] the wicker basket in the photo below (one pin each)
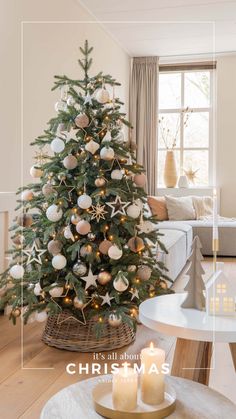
(74, 336)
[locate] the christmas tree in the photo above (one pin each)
(83, 240)
(195, 285)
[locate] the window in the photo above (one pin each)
(179, 90)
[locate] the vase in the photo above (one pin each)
(170, 170)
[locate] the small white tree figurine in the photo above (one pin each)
(195, 286)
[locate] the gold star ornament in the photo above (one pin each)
(98, 212)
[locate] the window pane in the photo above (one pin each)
(197, 160)
(168, 130)
(197, 89)
(161, 164)
(196, 133)
(170, 91)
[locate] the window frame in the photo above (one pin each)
(209, 110)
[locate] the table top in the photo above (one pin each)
(194, 401)
(165, 315)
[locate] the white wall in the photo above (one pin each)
(48, 49)
(226, 133)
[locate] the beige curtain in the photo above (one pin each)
(143, 115)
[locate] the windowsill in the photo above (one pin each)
(192, 190)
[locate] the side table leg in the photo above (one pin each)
(192, 360)
(232, 347)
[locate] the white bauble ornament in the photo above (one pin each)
(92, 147)
(116, 174)
(27, 195)
(75, 218)
(114, 252)
(144, 272)
(54, 247)
(107, 153)
(133, 211)
(84, 201)
(114, 320)
(56, 291)
(60, 106)
(57, 145)
(102, 95)
(107, 136)
(70, 101)
(59, 261)
(70, 162)
(17, 271)
(78, 303)
(120, 283)
(140, 180)
(82, 120)
(47, 190)
(41, 317)
(37, 289)
(120, 138)
(54, 213)
(83, 227)
(79, 269)
(36, 172)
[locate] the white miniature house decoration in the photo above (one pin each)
(220, 293)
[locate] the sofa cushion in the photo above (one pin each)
(180, 208)
(158, 207)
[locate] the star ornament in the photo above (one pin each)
(134, 293)
(90, 279)
(83, 321)
(88, 99)
(117, 206)
(106, 299)
(98, 212)
(34, 254)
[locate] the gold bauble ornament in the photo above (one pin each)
(16, 312)
(36, 172)
(105, 246)
(140, 180)
(82, 120)
(70, 162)
(47, 190)
(132, 268)
(144, 272)
(78, 303)
(99, 182)
(75, 219)
(54, 247)
(163, 284)
(86, 250)
(27, 195)
(25, 220)
(102, 95)
(114, 320)
(83, 227)
(104, 277)
(136, 244)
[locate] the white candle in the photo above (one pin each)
(125, 389)
(215, 216)
(152, 378)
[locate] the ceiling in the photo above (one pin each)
(168, 27)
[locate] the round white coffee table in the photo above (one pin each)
(195, 332)
(194, 401)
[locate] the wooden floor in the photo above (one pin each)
(24, 391)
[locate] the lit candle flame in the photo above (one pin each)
(151, 345)
(214, 192)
